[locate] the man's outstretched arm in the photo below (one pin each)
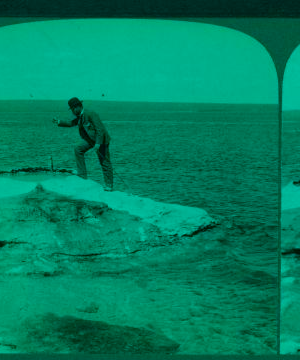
(65, 123)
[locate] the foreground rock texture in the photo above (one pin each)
(65, 249)
(290, 270)
(51, 333)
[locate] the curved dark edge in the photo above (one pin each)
(146, 8)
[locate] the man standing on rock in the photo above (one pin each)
(94, 135)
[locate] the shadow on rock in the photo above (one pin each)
(53, 334)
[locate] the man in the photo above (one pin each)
(94, 135)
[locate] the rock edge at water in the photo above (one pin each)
(172, 219)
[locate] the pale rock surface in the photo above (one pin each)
(290, 197)
(172, 219)
(290, 270)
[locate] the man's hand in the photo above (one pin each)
(55, 120)
(96, 147)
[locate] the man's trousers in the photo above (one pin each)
(104, 159)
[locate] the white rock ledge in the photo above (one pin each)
(172, 219)
(290, 197)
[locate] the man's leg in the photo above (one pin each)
(104, 158)
(80, 150)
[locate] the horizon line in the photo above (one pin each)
(153, 102)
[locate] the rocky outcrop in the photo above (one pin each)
(66, 247)
(172, 219)
(53, 225)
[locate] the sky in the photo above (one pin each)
(134, 60)
(291, 82)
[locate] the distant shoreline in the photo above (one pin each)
(61, 106)
(289, 115)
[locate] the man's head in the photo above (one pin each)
(75, 106)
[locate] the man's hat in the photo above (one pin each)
(74, 102)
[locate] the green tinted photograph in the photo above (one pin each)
(290, 209)
(139, 189)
